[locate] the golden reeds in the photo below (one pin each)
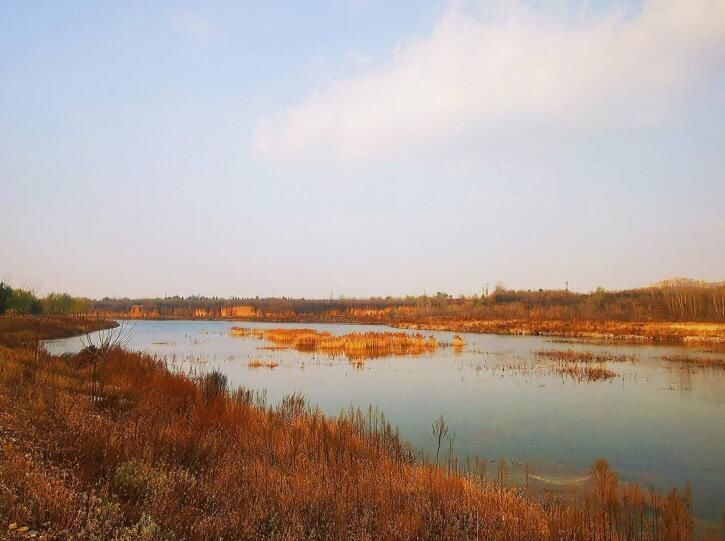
(700, 361)
(259, 363)
(572, 355)
(246, 331)
(353, 345)
(167, 457)
(584, 372)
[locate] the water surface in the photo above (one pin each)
(658, 423)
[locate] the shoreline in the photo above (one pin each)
(25, 330)
(638, 332)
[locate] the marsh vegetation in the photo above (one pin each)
(162, 456)
(501, 400)
(357, 346)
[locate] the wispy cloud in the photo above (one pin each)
(194, 27)
(515, 67)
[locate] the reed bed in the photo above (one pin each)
(699, 361)
(260, 363)
(580, 373)
(158, 455)
(575, 356)
(353, 345)
(246, 331)
(584, 372)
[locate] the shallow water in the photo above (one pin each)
(658, 423)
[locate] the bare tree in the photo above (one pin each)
(99, 345)
(440, 433)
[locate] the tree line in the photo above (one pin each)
(17, 300)
(666, 302)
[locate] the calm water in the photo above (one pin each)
(657, 423)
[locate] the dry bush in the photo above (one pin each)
(572, 355)
(700, 361)
(354, 345)
(260, 363)
(166, 457)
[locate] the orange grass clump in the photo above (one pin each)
(578, 364)
(245, 331)
(571, 355)
(354, 345)
(701, 361)
(158, 455)
(258, 363)
(585, 372)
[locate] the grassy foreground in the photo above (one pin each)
(154, 455)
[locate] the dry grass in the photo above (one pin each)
(700, 361)
(583, 365)
(352, 345)
(259, 363)
(25, 330)
(572, 355)
(246, 331)
(621, 331)
(585, 372)
(160, 456)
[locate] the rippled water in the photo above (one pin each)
(659, 423)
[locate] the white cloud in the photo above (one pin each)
(515, 67)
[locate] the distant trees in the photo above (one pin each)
(25, 302)
(663, 302)
(64, 304)
(5, 292)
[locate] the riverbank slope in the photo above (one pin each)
(22, 330)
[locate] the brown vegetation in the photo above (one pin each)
(352, 345)
(159, 456)
(26, 330)
(578, 364)
(585, 372)
(572, 355)
(259, 363)
(679, 300)
(246, 331)
(701, 361)
(668, 332)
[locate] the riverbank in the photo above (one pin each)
(152, 454)
(684, 333)
(665, 332)
(22, 330)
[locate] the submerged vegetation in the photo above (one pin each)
(583, 365)
(699, 361)
(571, 364)
(352, 345)
(577, 356)
(260, 363)
(585, 372)
(157, 455)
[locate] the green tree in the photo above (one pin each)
(24, 301)
(58, 303)
(5, 293)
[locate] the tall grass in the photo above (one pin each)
(167, 457)
(352, 345)
(573, 355)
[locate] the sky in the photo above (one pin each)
(360, 147)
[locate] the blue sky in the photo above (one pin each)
(360, 147)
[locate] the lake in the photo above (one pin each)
(657, 422)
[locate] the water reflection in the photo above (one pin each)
(658, 423)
